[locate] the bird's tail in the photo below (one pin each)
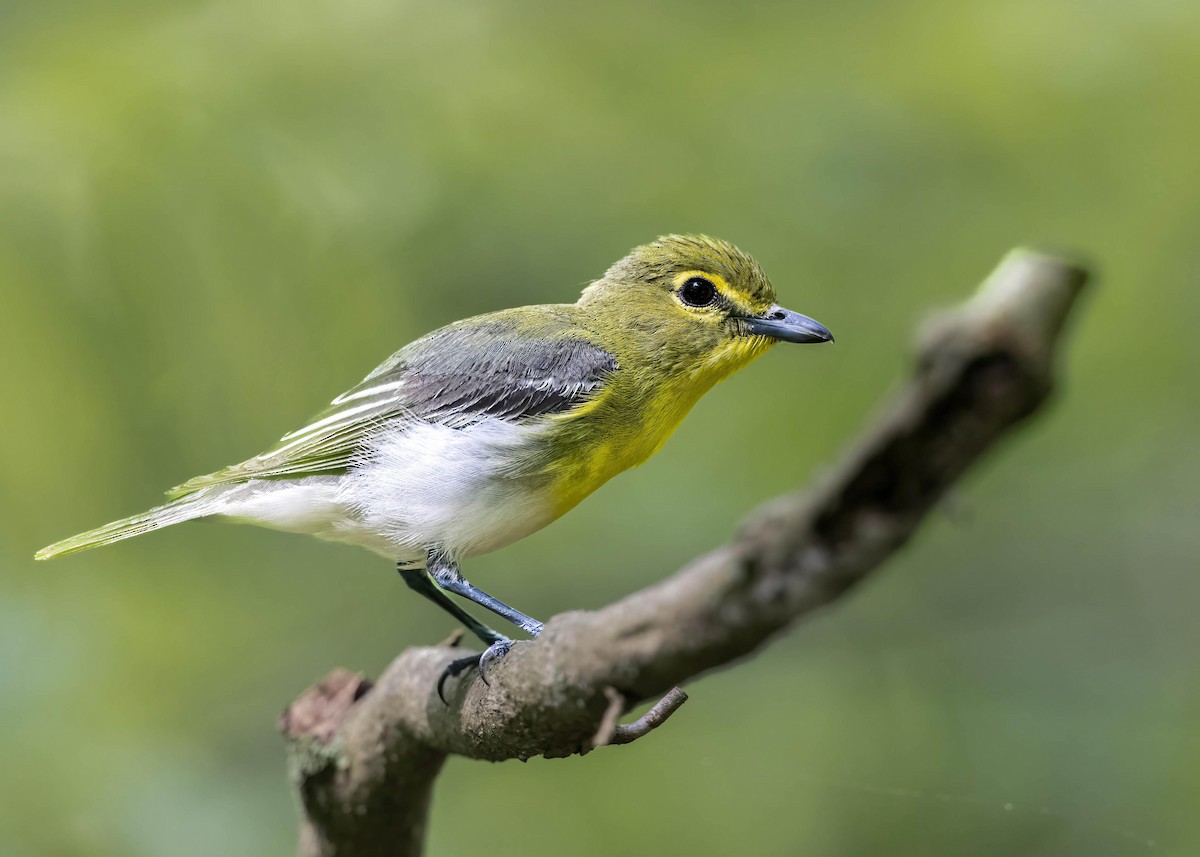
(196, 505)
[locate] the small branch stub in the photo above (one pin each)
(651, 720)
(611, 732)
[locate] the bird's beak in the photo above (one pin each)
(787, 326)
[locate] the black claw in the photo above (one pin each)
(457, 667)
(493, 653)
(454, 669)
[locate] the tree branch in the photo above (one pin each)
(364, 759)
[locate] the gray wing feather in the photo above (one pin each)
(455, 376)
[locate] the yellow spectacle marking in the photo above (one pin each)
(737, 298)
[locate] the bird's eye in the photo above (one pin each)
(698, 292)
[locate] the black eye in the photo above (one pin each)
(698, 292)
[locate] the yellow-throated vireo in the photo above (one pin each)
(482, 432)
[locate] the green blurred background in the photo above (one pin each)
(216, 216)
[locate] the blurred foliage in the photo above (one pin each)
(216, 216)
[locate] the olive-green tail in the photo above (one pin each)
(186, 509)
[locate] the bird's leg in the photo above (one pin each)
(418, 581)
(446, 574)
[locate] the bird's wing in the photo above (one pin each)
(499, 366)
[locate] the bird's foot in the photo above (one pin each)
(490, 656)
(457, 667)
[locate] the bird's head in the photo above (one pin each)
(694, 304)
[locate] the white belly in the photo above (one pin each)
(467, 491)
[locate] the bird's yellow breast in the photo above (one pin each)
(630, 420)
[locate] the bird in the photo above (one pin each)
(488, 429)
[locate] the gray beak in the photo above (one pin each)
(787, 326)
